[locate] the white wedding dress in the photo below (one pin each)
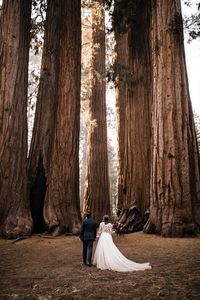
(107, 255)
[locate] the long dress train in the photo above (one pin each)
(107, 255)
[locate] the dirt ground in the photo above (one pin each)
(43, 268)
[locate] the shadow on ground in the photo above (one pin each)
(43, 268)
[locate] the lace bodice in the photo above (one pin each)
(108, 257)
(105, 228)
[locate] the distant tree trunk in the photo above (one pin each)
(15, 217)
(83, 171)
(138, 111)
(45, 116)
(62, 204)
(197, 128)
(97, 194)
(54, 153)
(120, 95)
(175, 185)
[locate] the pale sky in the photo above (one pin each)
(192, 51)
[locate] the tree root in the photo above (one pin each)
(20, 239)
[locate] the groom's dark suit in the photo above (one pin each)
(87, 236)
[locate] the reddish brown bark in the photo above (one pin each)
(175, 185)
(97, 198)
(15, 218)
(47, 99)
(62, 206)
(138, 111)
(54, 155)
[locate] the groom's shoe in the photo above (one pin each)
(90, 265)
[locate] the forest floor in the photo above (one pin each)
(51, 268)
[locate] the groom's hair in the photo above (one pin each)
(88, 214)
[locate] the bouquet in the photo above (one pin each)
(117, 226)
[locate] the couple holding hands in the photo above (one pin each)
(107, 256)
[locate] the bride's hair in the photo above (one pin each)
(106, 219)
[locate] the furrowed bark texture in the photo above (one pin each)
(62, 205)
(120, 96)
(45, 116)
(97, 192)
(138, 112)
(15, 217)
(175, 192)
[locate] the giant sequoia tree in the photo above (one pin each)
(47, 99)
(62, 196)
(54, 156)
(97, 194)
(137, 153)
(15, 218)
(175, 185)
(120, 95)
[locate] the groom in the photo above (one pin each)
(87, 236)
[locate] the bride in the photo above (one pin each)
(108, 256)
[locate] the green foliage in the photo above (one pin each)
(116, 73)
(124, 14)
(86, 3)
(37, 33)
(90, 3)
(37, 25)
(176, 25)
(191, 24)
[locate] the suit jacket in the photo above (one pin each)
(88, 230)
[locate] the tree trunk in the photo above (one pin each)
(47, 99)
(120, 96)
(54, 160)
(97, 194)
(84, 162)
(62, 205)
(15, 217)
(175, 191)
(138, 111)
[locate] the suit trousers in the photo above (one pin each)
(87, 251)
